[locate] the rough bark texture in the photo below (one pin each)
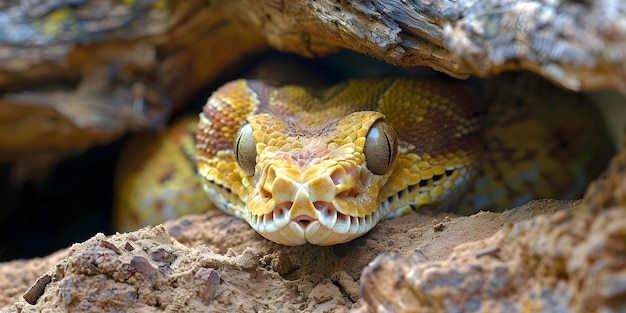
(579, 45)
(83, 73)
(79, 73)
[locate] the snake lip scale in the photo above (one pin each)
(327, 222)
(325, 166)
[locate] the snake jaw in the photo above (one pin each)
(323, 203)
(304, 229)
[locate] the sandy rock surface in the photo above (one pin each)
(216, 262)
(568, 261)
(548, 255)
(552, 263)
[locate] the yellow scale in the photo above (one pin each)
(544, 147)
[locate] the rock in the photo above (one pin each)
(545, 255)
(148, 269)
(569, 261)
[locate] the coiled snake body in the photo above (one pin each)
(325, 166)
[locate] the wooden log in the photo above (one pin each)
(130, 63)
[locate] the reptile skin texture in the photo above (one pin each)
(311, 178)
(324, 166)
(157, 179)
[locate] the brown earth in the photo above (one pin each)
(565, 256)
(217, 262)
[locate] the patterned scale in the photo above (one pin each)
(157, 180)
(302, 165)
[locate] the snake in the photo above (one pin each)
(324, 166)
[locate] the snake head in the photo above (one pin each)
(312, 180)
(323, 167)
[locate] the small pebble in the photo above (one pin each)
(36, 290)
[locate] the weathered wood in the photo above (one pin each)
(77, 74)
(580, 45)
(127, 64)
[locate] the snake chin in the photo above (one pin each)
(328, 227)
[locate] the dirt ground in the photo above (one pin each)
(217, 262)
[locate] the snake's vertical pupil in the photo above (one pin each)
(245, 149)
(381, 147)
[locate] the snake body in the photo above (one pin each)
(321, 166)
(157, 178)
(325, 166)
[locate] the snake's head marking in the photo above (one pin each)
(310, 180)
(324, 168)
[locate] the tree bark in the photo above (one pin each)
(104, 67)
(580, 45)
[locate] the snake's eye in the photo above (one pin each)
(245, 149)
(381, 147)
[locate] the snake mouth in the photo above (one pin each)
(328, 227)
(327, 215)
(303, 220)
